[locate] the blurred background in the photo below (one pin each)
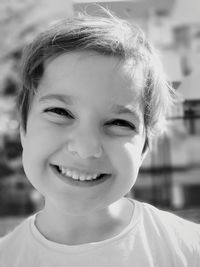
(170, 175)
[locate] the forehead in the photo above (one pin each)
(86, 74)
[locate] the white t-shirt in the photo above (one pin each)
(154, 238)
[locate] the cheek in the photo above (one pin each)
(132, 158)
(126, 156)
(38, 147)
(41, 138)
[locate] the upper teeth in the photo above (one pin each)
(76, 175)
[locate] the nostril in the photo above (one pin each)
(98, 153)
(71, 150)
(84, 150)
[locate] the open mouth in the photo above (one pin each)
(76, 178)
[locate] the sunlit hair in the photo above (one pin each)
(108, 36)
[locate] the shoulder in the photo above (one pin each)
(181, 233)
(169, 220)
(13, 241)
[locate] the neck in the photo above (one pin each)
(64, 228)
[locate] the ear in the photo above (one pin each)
(143, 155)
(145, 150)
(22, 135)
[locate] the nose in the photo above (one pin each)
(85, 144)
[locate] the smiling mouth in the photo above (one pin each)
(77, 178)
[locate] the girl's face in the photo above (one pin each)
(85, 132)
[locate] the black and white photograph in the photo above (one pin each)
(99, 133)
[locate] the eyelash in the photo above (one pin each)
(60, 111)
(116, 122)
(122, 123)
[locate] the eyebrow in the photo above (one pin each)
(66, 99)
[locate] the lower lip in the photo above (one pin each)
(68, 180)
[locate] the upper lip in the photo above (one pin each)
(88, 171)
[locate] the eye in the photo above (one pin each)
(122, 124)
(59, 111)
